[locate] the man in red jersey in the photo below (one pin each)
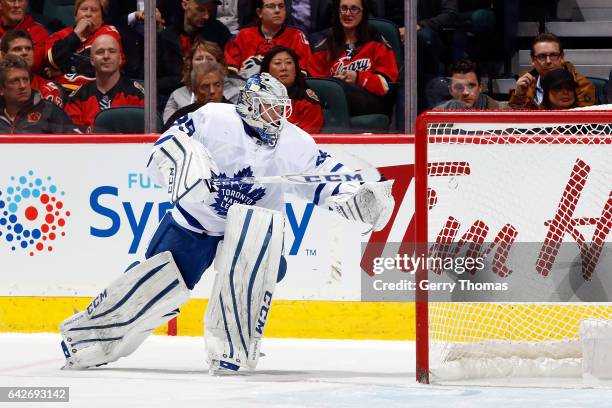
(19, 42)
(13, 16)
(245, 53)
(109, 90)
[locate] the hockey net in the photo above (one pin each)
(515, 187)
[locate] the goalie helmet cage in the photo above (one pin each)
(461, 334)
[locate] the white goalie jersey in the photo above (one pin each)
(222, 132)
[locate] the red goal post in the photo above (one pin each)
(512, 144)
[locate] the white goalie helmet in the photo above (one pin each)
(264, 105)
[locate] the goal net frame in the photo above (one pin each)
(563, 120)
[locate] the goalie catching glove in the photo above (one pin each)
(371, 203)
(185, 166)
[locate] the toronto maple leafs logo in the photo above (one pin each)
(237, 193)
(322, 156)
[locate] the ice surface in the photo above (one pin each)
(170, 372)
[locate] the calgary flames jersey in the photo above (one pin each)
(373, 61)
(245, 53)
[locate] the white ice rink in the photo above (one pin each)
(169, 372)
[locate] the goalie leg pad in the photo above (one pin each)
(120, 318)
(247, 267)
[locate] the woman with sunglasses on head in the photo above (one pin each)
(359, 57)
(306, 112)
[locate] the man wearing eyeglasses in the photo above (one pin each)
(245, 53)
(546, 56)
(466, 89)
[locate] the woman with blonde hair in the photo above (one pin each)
(201, 51)
(68, 49)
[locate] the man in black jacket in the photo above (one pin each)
(23, 110)
(128, 17)
(198, 22)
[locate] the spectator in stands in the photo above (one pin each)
(360, 58)
(200, 52)
(559, 90)
(466, 89)
(19, 42)
(245, 53)
(109, 89)
(310, 16)
(128, 17)
(207, 79)
(306, 112)
(197, 22)
(13, 14)
(392, 10)
(433, 17)
(68, 50)
(546, 56)
(22, 110)
(235, 14)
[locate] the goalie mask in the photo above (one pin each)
(264, 105)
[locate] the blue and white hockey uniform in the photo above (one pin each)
(228, 140)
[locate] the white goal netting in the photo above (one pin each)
(532, 195)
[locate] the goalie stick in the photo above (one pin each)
(370, 174)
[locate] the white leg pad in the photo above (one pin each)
(120, 318)
(246, 266)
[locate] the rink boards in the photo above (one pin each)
(79, 210)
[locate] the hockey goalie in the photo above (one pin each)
(238, 226)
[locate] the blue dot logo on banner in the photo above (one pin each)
(32, 213)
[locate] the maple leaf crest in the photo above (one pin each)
(237, 193)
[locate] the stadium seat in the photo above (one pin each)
(601, 86)
(335, 106)
(124, 119)
(390, 31)
(336, 111)
(62, 10)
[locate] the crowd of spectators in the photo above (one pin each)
(206, 49)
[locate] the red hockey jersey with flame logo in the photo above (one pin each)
(373, 61)
(245, 53)
(66, 52)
